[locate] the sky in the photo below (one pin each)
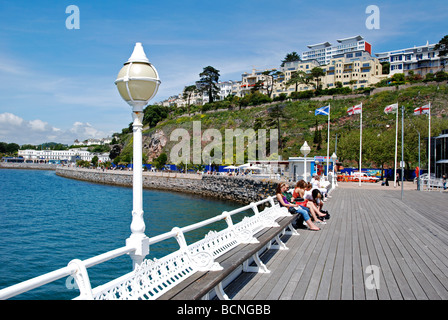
(57, 83)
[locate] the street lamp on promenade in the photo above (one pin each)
(137, 82)
(305, 149)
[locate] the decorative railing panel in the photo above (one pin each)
(153, 277)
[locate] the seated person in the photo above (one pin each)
(281, 188)
(315, 181)
(299, 193)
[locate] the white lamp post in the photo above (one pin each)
(334, 157)
(137, 83)
(305, 149)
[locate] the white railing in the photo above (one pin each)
(431, 183)
(152, 278)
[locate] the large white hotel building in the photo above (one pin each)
(325, 51)
(71, 155)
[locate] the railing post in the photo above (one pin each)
(254, 208)
(271, 201)
(228, 219)
(202, 260)
(82, 280)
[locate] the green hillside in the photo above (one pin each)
(298, 123)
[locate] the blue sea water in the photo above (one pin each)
(47, 220)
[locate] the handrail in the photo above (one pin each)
(71, 269)
(46, 278)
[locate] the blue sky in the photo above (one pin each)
(57, 84)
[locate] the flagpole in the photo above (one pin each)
(429, 146)
(402, 156)
(360, 147)
(396, 146)
(328, 138)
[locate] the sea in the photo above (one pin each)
(46, 221)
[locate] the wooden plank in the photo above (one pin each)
(368, 227)
(367, 251)
(377, 257)
(201, 283)
(347, 274)
(330, 264)
(336, 280)
(415, 253)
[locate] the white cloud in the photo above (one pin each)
(15, 129)
(38, 125)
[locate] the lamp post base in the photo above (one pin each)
(141, 244)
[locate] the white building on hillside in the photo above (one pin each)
(324, 52)
(71, 155)
(90, 142)
(421, 60)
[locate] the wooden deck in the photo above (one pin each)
(407, 240)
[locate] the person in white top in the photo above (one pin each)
(315, 181)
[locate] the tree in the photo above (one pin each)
(209, 79)
(275, 114)
(296, 78)
(385, 67)
(291, 57)
(95, 161)
(348, 146)
(378, 146)
(317, 137)
(316, 73)
(160, 161)
(268, 84)
(442, 46)
(115, 151)
(153, 114)
(188, 92)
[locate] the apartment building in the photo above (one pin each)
(287, 71)
(421, 60)
(325, 51)
(355, 69)
(249, 80)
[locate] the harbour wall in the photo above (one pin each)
(31, 166)
(235, 188)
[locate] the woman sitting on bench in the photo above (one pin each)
(282, 187)
(299, 192)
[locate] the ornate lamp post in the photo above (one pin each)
(137, 82)
(305, 149)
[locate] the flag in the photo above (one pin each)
(325, 111)
(391, 108)
(421, 110)
(355, 109)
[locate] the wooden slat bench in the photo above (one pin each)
(200, 284)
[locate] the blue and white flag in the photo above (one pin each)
(324, 111)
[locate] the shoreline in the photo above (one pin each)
(238, 189)
(28, 166)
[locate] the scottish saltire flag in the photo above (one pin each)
(324, 111)
(422, 110)
(355, 109)
(391, 108)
